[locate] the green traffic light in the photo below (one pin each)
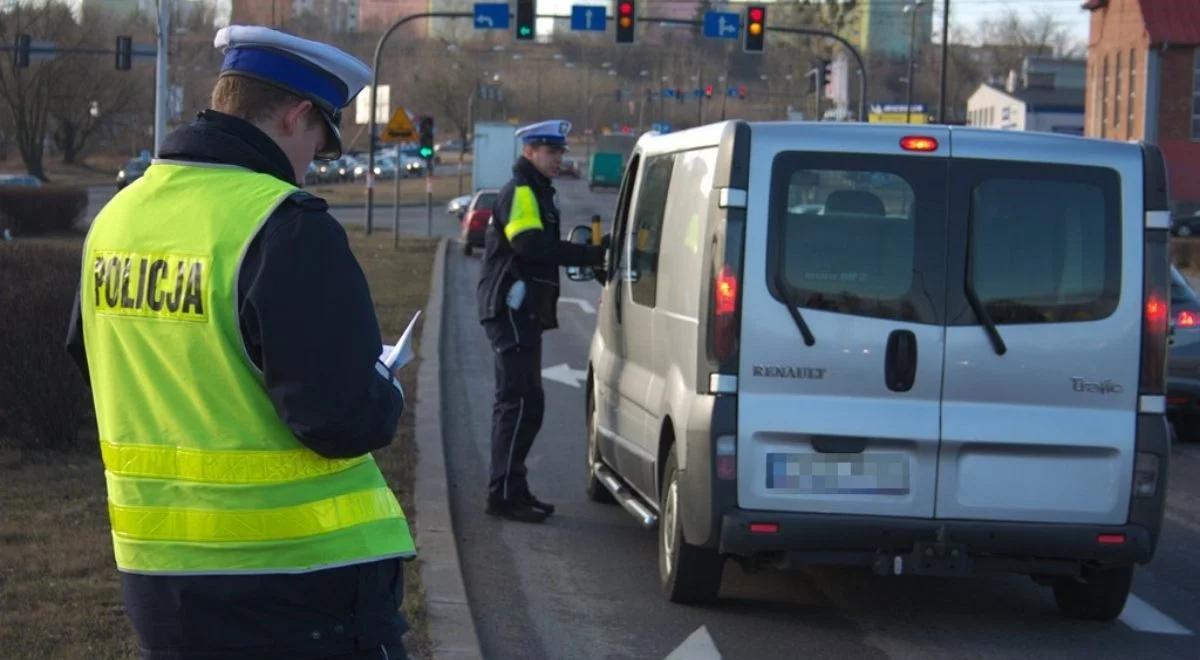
(525, 30)
(426, 152)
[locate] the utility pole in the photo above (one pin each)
(912, 9)
(160, 75)
(945, 60)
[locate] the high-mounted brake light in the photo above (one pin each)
(918, 143)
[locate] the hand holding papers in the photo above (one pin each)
(401, 353)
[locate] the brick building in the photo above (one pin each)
(261, 12)
(1144, 82)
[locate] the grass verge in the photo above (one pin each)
(59, 588)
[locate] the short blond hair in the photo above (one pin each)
(250, 99)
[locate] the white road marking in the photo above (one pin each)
(564, 374)
(1142, 617)
(583, 304)
(698, 646)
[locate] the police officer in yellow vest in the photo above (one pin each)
(232, 350)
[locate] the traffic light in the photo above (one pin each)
(827, 78)
(626, 17)
(708, 91)
(756, 29)
(425, 129)
(741, 90)
(21, 52)
(124, 53)
(526, 17)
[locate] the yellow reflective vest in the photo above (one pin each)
(203, 476)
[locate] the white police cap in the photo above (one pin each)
(552, 132)
(325, 75)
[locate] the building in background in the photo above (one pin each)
(378, 15)
(1046, 95)
(272, 13)
(1144, 83)
(882, 27)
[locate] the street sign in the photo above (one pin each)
(660, 127)
(491, 16)
(668, 93)
(721, 25)
(399, 128)
(383, 107)
(587, 18)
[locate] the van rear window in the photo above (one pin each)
(862, 235)
(1045, 242)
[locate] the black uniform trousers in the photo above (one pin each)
(520, 403)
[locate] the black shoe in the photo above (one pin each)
(544, 507)
(517, 510)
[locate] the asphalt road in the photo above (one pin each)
(585, 583)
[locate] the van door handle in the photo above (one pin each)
(900, 370)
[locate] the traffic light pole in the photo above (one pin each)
(371, 124)
(862, 68)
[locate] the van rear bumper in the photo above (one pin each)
(841, 539)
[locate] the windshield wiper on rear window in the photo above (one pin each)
(793, 309)
(976, 304)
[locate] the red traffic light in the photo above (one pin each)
(625, 8)
(756, 14)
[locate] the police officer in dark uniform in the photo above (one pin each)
(518, 298)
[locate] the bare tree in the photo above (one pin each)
(27, 94)
(91, 95)
(1014, 35)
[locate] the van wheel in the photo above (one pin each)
(689, 573)
(596, 491)
(1099, 596)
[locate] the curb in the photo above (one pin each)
(451, 628)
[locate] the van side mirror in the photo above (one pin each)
(581, 235)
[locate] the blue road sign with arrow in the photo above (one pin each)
(491, 16)
(721, 25)
(587, 18)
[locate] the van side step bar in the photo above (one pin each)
(625, 496)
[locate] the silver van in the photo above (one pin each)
(922, 350)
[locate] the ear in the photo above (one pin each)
(294, 118)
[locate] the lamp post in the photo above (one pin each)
(912, 9)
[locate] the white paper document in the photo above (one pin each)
(400, 354)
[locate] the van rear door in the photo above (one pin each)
(1038, 417)
(847, 229)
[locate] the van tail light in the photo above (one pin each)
(1145, 474)
(1153, 379)
(1186, 319)
(726, 457)
(764, 528)
(726, 290)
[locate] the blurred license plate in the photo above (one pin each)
(838, 474)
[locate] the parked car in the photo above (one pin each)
(1183, 362)
(385, 168)
(475, 220)
(452, 146)
(20, 180)
(569, 168)
(458, 206)
(133, 170)
(413, 165)
(1186, 225)
(958, 367)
